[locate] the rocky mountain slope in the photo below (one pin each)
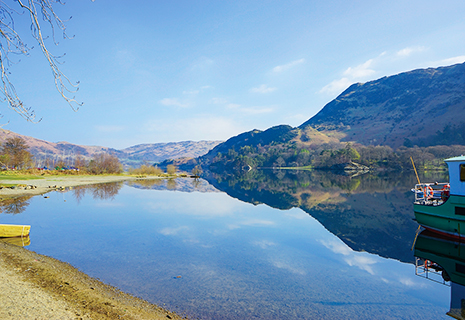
(134, 155)
(412, 107)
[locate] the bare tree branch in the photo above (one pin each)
(12, 44)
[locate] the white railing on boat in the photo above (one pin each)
(430, 270)
(432, 194)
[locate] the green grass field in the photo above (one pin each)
(19, 176)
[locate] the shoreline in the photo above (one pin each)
(46, 184)
(34, 286)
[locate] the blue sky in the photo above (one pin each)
(165, 71)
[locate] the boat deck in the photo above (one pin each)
(431, 194)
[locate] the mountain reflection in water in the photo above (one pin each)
(370, 212)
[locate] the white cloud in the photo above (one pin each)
(336, 86)
(280, 264)
(408, 282)
(406, 52)
(262, 89)
(337, 247)
(411, 283)
(451, 61)
(352, 74)
(174, 102)
(264, 244)
(361, 71)
(288, 66)
(365, 71)
(173, 231)
(362, 262)
(358, 259)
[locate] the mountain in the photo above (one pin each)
(134, 155)
(157, 152)
(424, 107)
(42, 148)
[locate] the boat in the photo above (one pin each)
(12, 230)
(442, 259)
(440, 207)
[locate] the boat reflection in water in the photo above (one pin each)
(18, 241)
(442, 259)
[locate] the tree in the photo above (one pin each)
(12, 45)
(104, 163)
(171, 169)
(197, 171)
(79, 162)
(14, 152)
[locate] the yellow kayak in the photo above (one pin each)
(12, 230)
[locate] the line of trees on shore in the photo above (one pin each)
(14, 154)
(326, 156)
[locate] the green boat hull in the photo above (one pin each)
(447, 218)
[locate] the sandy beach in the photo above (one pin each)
(34, 286)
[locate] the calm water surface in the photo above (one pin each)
(208, 255)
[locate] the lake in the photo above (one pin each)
(264, 245)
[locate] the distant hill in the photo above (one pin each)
(40, 147)
(134, 155)
(157, 152)
(423, 107)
